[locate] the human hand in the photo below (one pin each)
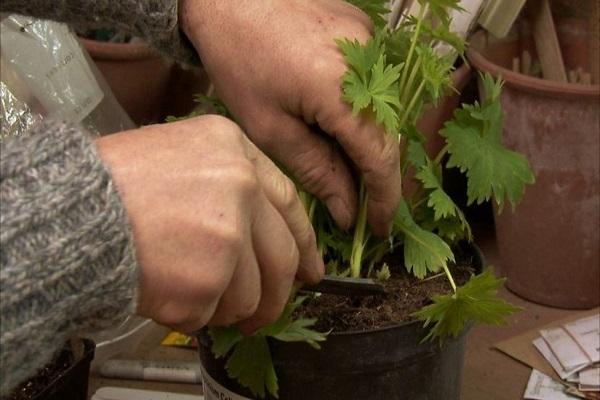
(276, 66)
(219, 231)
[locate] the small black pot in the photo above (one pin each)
(391, 363)
(72, 384)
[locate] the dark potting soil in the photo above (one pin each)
(45, 376)
(405, 294)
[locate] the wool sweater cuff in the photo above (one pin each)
(154, 20)
(67, 259)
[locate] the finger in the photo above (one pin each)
(242, 297)
(278, 258)
(375, 154)
(281, 192)
(315, 163)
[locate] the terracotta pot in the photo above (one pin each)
(550, 245)
(574, 39)
(138, 76)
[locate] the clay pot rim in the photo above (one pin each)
(119, 51)
(527, 83)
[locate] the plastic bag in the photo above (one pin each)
(47, 74)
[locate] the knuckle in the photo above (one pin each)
(228, 238)
(290, 264)
(243, 177)
(288, 194)
(248, 307)
(225, 126)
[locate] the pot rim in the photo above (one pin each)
(479, 264)
(119, 51)
(525, 82)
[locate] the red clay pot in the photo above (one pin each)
(550, 245)
(137, 74)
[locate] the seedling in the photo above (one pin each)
(393, 78)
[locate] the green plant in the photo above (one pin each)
(393, 78)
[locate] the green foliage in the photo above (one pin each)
(424, 251)
(474, 144)
(370, 82)
(206, 105)
(475, 301)
(251, 364)
(393, 78)
(375, 9)
(249, 359)
(441, 8)
(383, 274)
(436, 72)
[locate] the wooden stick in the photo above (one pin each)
(572, 76)
(546, 42)
(498, 16)
(585, 78)
(394, 14)
(516, 66)
(526, 63)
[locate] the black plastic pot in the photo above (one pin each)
(72, 384)
(383, 364)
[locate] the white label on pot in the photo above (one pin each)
(214, 391)
(50, 60)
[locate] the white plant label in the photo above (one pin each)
(542, 387)
(50, 60)
(586, 332)
(544, 349)
(214, 391)
(568, 352)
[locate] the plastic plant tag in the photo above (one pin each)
(589, 380)
(586, 332)
(115, 393)
(565, 348)
(545, 350)
(542, 387)
(214, 391)
(50, 60)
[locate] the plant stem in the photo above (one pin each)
(412, 104)
(450, 279)
(413, 74)
(358, 243)
(441, 154)
(413, 44)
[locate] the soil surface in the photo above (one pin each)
(405, 294)
(52, 371)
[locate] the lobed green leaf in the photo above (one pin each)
(476, 301)
(424, 251)
(475, 147)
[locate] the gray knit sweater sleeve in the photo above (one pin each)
(154, 20)
(67, 261)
